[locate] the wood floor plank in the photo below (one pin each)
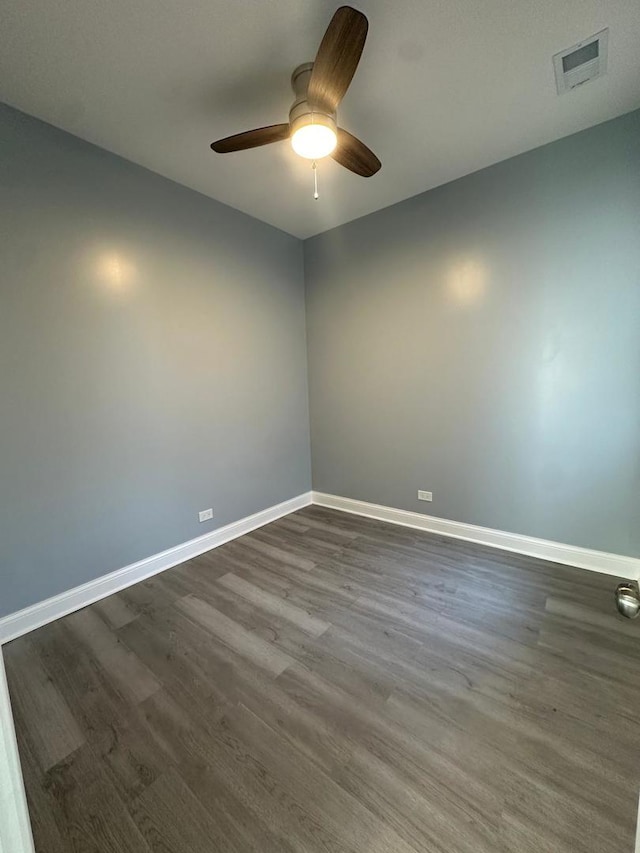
(345, 821)
(198, 672)
(89, 813)
(236, 637)
(130, 674)
(129, 755)
(115, 611)
(280, 555)
(43, 811)
(220, 768)
(273, 604)
(325, 527)
(335, 684)
(86, 686)
(171, 818)
(390, 763)
(52, 728)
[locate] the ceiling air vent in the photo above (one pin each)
(583, 62)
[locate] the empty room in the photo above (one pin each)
(319, 426)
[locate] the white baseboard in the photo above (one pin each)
(15, 829)
(570, 555)
(17, 624)
(23, 621)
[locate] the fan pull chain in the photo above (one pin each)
(314, 166)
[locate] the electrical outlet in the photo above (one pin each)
(205, 515)
(425, 496)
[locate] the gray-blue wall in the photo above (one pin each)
(152, 363)
(482, 341)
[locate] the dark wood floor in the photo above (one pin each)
(331, 683)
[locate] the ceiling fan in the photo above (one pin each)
(319, 87)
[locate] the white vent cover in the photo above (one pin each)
(582, 62)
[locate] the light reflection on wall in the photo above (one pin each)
(115, 270)
(467, 282)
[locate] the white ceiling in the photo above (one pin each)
(444, 87)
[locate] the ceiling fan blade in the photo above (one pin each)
(251, 138)
(337, 59)
(355, 156)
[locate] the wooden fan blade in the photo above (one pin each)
(355, 156)
(251, 138)
(337, 59)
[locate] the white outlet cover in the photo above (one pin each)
(205, 515)
(425, 496)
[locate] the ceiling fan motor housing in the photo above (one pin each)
(302, 113)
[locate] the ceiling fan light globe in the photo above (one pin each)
(314, 141)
